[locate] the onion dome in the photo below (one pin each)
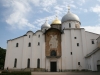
(56, 21)
(45, 25)
(70, 17)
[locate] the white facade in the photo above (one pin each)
(76, 44)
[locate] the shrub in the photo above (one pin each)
(16, 73)
(5, 71)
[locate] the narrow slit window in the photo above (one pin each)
(28, 63)
(77, 44)
(15, 63)
(16, 44)
(78, 63)
(71, 53)
(69, 25)
(29, 36)
(38, 35)
(92, 41)
(38, 43)
(29, 44)
(38, 63)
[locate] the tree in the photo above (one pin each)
(2, 57)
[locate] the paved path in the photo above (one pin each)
(65, 73)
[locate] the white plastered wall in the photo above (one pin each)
(92, 61)
(89, 37)
(23, 52)
(69, 44)
(14, 52)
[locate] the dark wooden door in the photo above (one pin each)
(53, 66)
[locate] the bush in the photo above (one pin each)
(84, 70)
(4, 71)
(16, 73)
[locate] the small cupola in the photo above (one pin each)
(70, 20)
(56, 23)
(45, 26)
(70, 17)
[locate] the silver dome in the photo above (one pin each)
(45, 25)
(70, 17)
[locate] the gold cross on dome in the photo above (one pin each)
(56, 14)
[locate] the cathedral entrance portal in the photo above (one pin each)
(53, 66)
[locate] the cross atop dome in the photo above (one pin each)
(56, 15)
(56, 21)
(46, 19)
(68, 8)
(70, 16)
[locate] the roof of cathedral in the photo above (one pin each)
(91, 53)
(29, 31)
(98, 38)
(25, 35)
(56, 21)
(53, 29)
(70, 17)
(45, 25)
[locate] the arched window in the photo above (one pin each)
(29, 44)
(69, 25)
(53, 53)
(38, 63)
(15, 62)
(28, 63)
(29, 36)
(16, 44)
(92, 41)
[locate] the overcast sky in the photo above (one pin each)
(19, 16)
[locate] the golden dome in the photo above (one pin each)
(56, 21)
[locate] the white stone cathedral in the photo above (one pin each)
(63, 45)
